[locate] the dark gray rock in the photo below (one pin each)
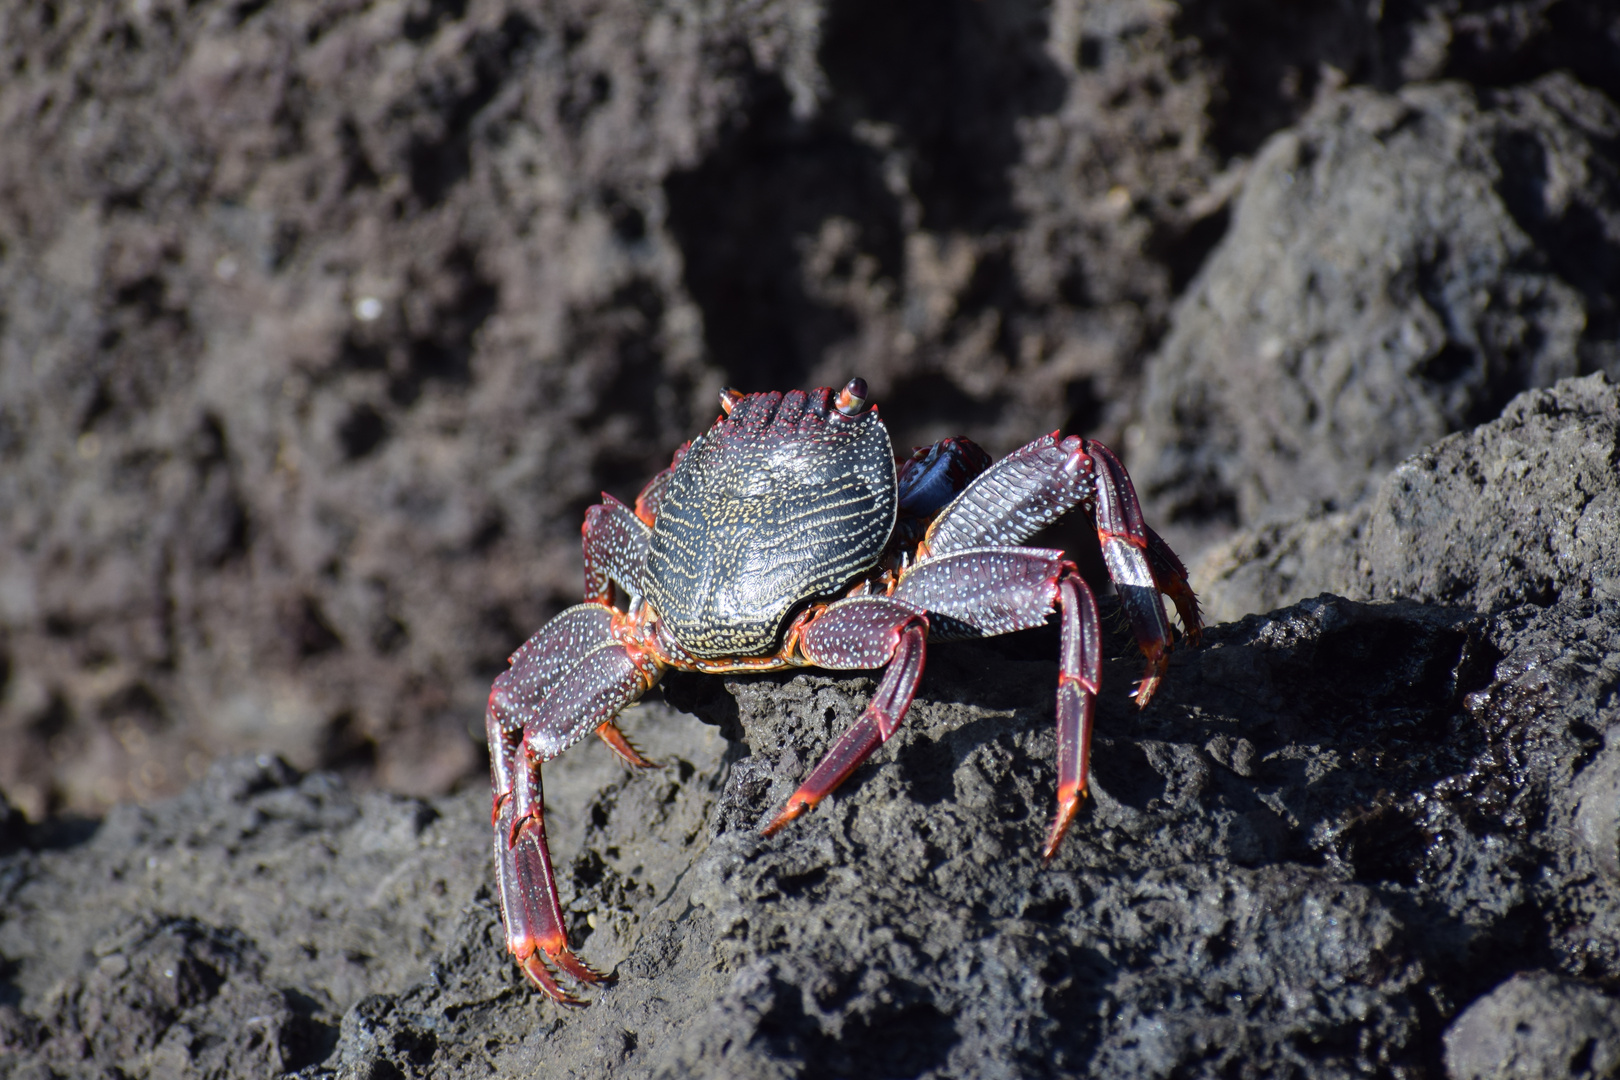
(1536, 1026)
(1597, 821)
(1336, 823)
(1398, 267)
(222, 933)
(1525, 509)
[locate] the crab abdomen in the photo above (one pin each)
(784, 500)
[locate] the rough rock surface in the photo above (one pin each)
(1334, 845)
(1338, 825)
(1524, 509)
(1398, 267)
(1536, 1025)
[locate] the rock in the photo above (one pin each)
(1536, 1026)
(1524, 509)
(1329, 815)
(1398, 267)
(1598, 798)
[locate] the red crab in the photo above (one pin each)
(787, 536)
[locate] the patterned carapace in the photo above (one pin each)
(788, 536)
(785, 499)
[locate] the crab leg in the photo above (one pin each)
(539, 662)
(851, 634)
(545, 657)
(1171, 578)
(1035, 485)
(1016, 497)
(568, 680)
(1079, 676)
(530, 907)
(1125, 548)
(615, 546)
(997, 590)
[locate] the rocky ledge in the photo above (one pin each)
(1347, 838)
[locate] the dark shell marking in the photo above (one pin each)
(783, 501)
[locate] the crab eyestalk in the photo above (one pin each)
(729, 399)
(852, 398)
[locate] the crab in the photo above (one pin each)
(788, 535)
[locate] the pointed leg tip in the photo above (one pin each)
(1068, 807)
(584, 972)
(637, 760)
(793, 809)
(537, 967)
(627, 751)
(1151, 678)
(1192, 621)
(541, 979)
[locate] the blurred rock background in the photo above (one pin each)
(322, 322)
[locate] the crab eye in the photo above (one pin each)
(729, 398)
(852, 398)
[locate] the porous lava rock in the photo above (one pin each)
(1337, 826)
(1524, 509)
(1399, 266)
